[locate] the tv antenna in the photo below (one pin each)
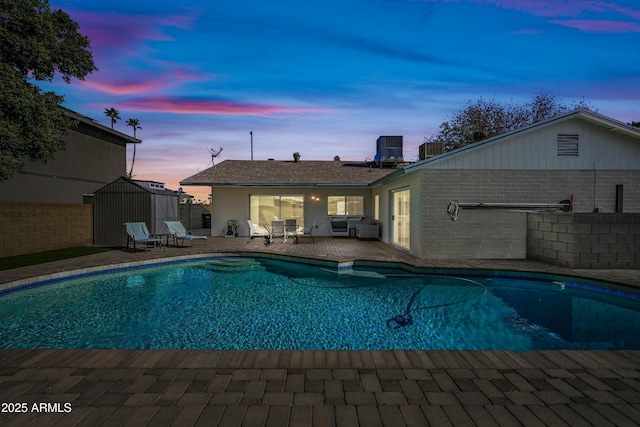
(214, 153)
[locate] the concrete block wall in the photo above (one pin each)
(585, 240)
(36, 227)
(503, 234)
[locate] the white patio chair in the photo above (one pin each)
(277, 230)
(291, 228)
(256, 231)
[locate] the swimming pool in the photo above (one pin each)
(252, 303)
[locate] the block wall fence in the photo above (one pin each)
(191, 215)
(502, 234)
(37, 227)
(585, 240)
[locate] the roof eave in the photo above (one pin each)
(90, 122)
(316, 185)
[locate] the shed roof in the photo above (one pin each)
(272, 173)
(137, 184)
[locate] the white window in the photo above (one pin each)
(345, 205)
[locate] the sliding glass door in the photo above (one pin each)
(264, 208)
(401, 218)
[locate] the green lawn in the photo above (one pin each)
(42, 257)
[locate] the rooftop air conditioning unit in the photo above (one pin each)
(430, 149)
(389, 150)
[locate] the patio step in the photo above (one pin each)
(234, 265)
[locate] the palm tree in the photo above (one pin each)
(135, 124)
(113, 114)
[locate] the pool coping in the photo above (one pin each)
(40, 280)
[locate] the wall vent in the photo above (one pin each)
(567, 145)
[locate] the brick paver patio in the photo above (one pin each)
(316, 388)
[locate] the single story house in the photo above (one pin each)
(581, 156)
(308, 191)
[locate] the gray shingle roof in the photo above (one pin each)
(288, 173)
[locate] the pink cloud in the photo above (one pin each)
(569, 8)
(147, 84)
(556, 8)
(600, 26)
(123, 33)
(124, 87)
(550, 8)
(195, 106)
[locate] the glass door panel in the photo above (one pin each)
(400, 218)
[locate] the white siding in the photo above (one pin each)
(537, 150)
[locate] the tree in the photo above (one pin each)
(487, 118)
(634, 124)
(114, 115)
(36, 43)
(135, 124)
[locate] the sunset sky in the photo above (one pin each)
(326, 78)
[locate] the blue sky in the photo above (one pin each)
(326, 78)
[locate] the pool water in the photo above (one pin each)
(243, 303)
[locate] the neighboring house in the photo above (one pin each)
(43, 207)
(582, 154)
(94, 156)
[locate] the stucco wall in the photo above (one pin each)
(85, 165)
(37, 227)
(412, 182)
(502, 234)
(233, 203)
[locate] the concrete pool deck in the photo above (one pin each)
(316, 388)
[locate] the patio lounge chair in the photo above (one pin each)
(256, 231)
(178, 232)
(137, 232)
